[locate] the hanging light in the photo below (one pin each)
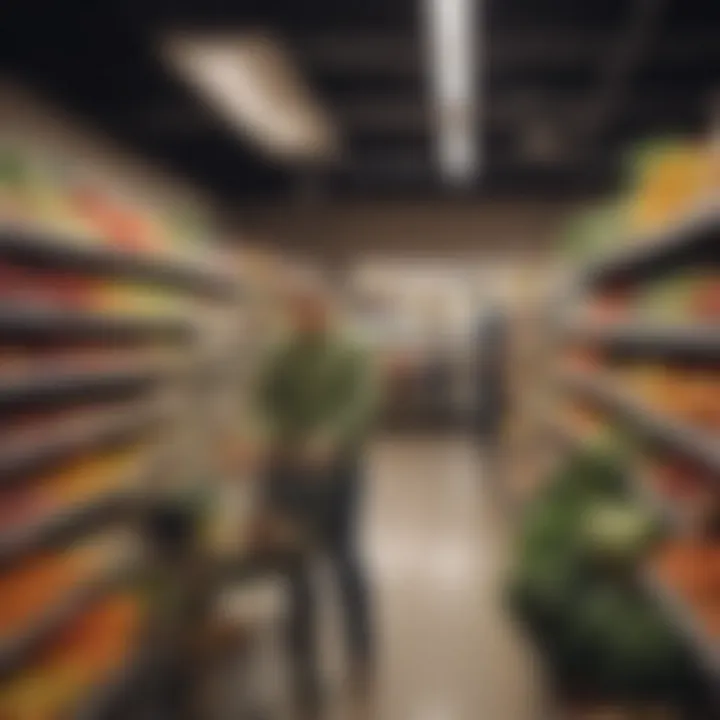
(452, 39)
(252, 82)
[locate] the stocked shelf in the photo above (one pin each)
(641, 489)
(679, 611)
(693, 239)
(61, 529)
(111, 305)
(639, 343)
(31, 450)
(692, 342)
(686, 440)
(706, 649)
(46, 388)
(45, 250)
(19, 650)
(108, 699)
(23, 324)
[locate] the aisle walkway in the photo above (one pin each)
(435, 552)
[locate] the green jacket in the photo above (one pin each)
(317, 386)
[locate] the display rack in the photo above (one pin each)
(109, 699)
(41, 249)
(692, 242)
(691, 342)
(707, 652)
(644, 422)
(58, 412)
(57, 531)
(20, 648)
(51, 387)
(26, 451)
(44, 325)
(561, 432)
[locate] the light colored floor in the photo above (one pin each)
(435, 551)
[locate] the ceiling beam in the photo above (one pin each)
(361, 53)
(545, 47)
(411, 116)
(618, 70)
(403, 115)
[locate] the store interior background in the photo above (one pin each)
(343, 174)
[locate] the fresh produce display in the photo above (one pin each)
(28, 193)
(588, 234)
(39, 583)
(608, 308)
(667, 181)
(84, 655)
(574, 585)
(115, 470)
(671, 178)
(691, 568)
(36, 193)
(79, 250)
(80, 482)
(690, 395)
(676, 484)
(649, 603)
(687, 488)
(616, 530)
(583, 423)
(21, 287)
(691, 297)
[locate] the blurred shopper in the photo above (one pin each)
(316, 401)
(491, 344)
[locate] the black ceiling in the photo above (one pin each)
(566, 86)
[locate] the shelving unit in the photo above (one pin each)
(707, 651)
(47, 387)
(19, 650)
(58, 531)
(43, 325)
(42, 249)
(692, 342)
(77, 397)
(105, 700)
(639, 488)
(692, 242)
(32, 450)
(676, 435)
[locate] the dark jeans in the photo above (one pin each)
(329, 506)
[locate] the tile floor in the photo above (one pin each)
(435, 547)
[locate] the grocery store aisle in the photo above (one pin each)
(435, 551)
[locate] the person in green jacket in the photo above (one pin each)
(317, 398)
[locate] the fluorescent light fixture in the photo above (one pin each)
(452, 55)
(253, 84)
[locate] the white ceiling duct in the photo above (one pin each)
(252, 82)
